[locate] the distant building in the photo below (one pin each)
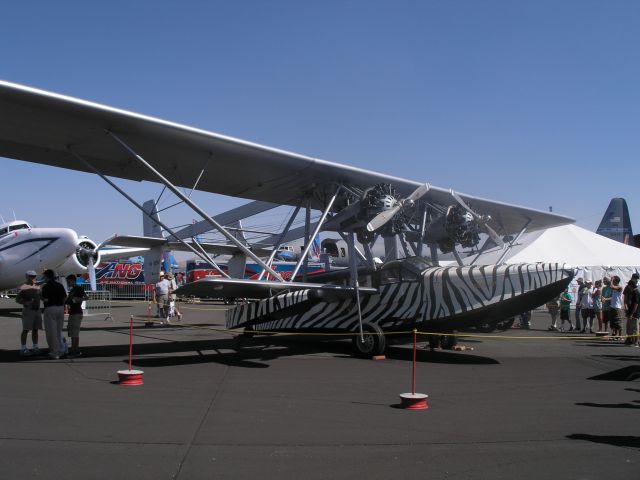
(616, 224)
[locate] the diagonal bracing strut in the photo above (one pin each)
(195, 207)
(204, 256)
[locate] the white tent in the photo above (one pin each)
(593, 255)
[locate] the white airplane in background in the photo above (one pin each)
(24, 247)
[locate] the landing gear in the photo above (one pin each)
(445, 342)
(372, 342)
(500, 326)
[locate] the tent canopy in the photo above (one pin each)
(589, 252)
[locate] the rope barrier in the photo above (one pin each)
(143, 319)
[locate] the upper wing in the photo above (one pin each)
(40, 126)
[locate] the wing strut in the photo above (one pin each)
(195, 208)
(211, 261)
(309, 244)
(356, 250)
(423, 225)
(512, 242)
(206, 258)
(354, 279)
(276, 246)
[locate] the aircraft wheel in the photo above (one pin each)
(505, 324)
(487, 327)
(372, 342)
(448, 342)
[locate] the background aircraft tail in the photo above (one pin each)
(615, 223)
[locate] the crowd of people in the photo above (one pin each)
(603, 306)
(54, 298)
(46, 305)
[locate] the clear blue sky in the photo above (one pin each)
(535, 103)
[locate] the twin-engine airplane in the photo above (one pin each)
(417, 221)
(24, 247)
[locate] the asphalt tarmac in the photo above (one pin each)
(527, 407)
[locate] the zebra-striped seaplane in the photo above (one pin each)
(418, 223)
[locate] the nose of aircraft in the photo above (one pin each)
(61, 244)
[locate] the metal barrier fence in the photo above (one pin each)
(98, 303)
(128, 291)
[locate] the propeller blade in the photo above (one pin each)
(482, 221)
(382, 218)
(493, 234)
(419, 192)
(92, 274)
(458, 199)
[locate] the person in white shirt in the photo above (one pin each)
(617, 307)
(586, 307)
(161, 298)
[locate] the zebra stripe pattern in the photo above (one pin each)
(439, 293)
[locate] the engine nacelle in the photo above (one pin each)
(77, 263)
(456, 226)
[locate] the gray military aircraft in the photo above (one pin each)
(417, 221)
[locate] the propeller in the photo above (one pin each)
(383, 217)
(88, 253)
(92, 274)
(482, 220)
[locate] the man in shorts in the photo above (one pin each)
(606, 303)
(161, 298)
(29, 297)
(565, 308)
(74, 302)
(632, 303)
(617, 308)
(586, 306)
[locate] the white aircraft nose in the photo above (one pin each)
(56, 246)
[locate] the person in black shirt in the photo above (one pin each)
(74, 301)
(53, 297)
(632, 302)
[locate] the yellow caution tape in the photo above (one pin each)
(154, 320)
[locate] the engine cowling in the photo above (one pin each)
(77, 263)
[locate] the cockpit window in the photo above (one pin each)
(3, 231)
(330, 247)
(416, 264)
(19, 226)
(390, 275)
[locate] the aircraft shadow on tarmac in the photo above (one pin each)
(625, 374)
(618, 441)
(622, 358)
(249, 352)
(609, 405)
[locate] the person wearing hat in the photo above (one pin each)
(74, 301)
(29, 297)
(53, 297)
(161, 298)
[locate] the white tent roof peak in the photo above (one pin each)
(568, 244)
